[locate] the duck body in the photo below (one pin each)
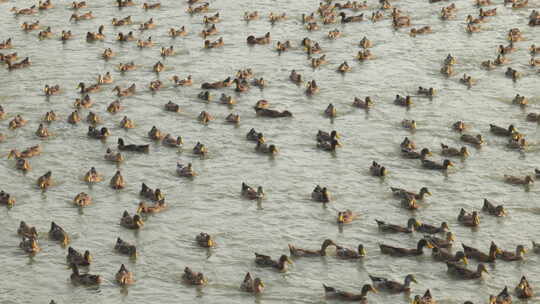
(298, 252)
(266, 261)
(401, 252)
(387, 285)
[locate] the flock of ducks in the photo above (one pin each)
(328, 12)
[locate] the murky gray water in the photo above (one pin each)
(212, 203)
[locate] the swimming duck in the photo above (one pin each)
(330, 145)
(510, 256)
(122, 21)
(155, 134)
(403, 101)
(188, 81)
(251, 285)
(488, 64)
(317, 62)
(84, 102)
(266, 261)
(23, 165)
(272, 113)
(346, 217)
(534, 117)
(57, 233)
(132, 147)
(212, 30)
(177, 32)
(213, 44)
(24, 229)
(523, 289)
(407, 153)
(18, 65)
(102, 133)
(468, 219)
(205, 240)
(420, 31)
(366, 104)
(442, 255)
(17, 122)
(147, 6)
(83, 279)
(430, 229)
(124, 3)
(6, 44)
(261, 83)
(125, 38)
(185, 171)
(332, 293)
(125, 248)
(45, 181)
(74, 117)
(42, 131)
(471, 139)
(92, 176)
(171, 141)
(425, 299)
(82, 199)
(400, 252)
(502, 131)
(75, 257)
(233, 118)
(252, 40)
(344, 67)
(131, 222)
(150, 24)
(93, 36)
(47, 33)
(408, 124)
(467, 80)
(113, 157)
(377, 170)
(200, 149)
(29, 245)
(447, 242)
(402, 193)
(450, 151)
(407, 144)
(30, 26)
(157, 207)
(253, 135)
(145, 43)
(149, 193)
(117, 181)
(346, 253)
(514, 180)
(385, 227)
(334, 34)
(387, 285)
(492, 209)
(312, 88)
(429, 164)
(465, 273)
(364, 55)
(194, 278)
(205, 117)
(511, 73)
(123, 276)
(250, 193)
(66, 35)
(514, 35)
(8, 57)
(27, 153)
(320, 194)
(330, 111)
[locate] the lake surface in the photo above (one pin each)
(211, 202)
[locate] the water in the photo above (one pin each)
(212, 203)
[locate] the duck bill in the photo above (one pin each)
(465, 260)
(362, 252)
(340, 219)
(210, 243)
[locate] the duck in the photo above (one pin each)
(124, 3)
(212, 19)
(408, 153)
(93, 118)
(186, 82)
(84, 102)
(6, 44)
(255, 286)
(420, 31)
(147, 6)
(105, 79)
(42, 131)
(403, 101)
(402, 193)
(514, 180)
(124, 277)
(387, 285)
(27, 153)
(214, 44)
(30, 26)
(312, 88)
(92, 176)
(149, 193)
(330, 111)
(349, 19)
(469, 219)
(252, 40)
(74, 117)
(122, 21)
(155, 133)
(51, 90)
(23, 165)
(400, 252)
(66, 35)
(333, 293)
(57, 233)
(84, 279)
(511, 73)
(185, 171)
(250, 193)
(125, 67)
(264, 148)
(320, 194)
(233, 118)
(317, 62)
(205, 240)
(102, 133)
(250, 16)
(334, 34)
(172, 141)
(24, 229)
(346, 217)
(205, 117)
(273, 18)
(135, 148)
(75, 257)
(272, 113)
(166, 52)
(125, 248)
(150, 24)
(117, 181)
(488, 64)
(205, 96)
(125, 38)
(447, 242)
(85, 16)
(266, 261)
(442, 255)
(464, 273)
(113, 157)
(346, 253)
(476, 254)
(157, 207)
(377, 170)
(29, 245)
(284, 46)
(533, 117)
(178, 32)
(429, 164)
(155, 85)
(450, 151)
(510, 256)
(491, 209)
(194, 278)
(17, 122)
(447, 70)
(200, 149)
(524, 290)
(366, 104)
(430, 229)
(93, 36)
(502, 131)
(198, 9)
(407, 144)
(364, 55)
(212, 30)
(131, 222)
(45, 181)
(127, 123)
(476, 140)
(82, 199)
(467, 80)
